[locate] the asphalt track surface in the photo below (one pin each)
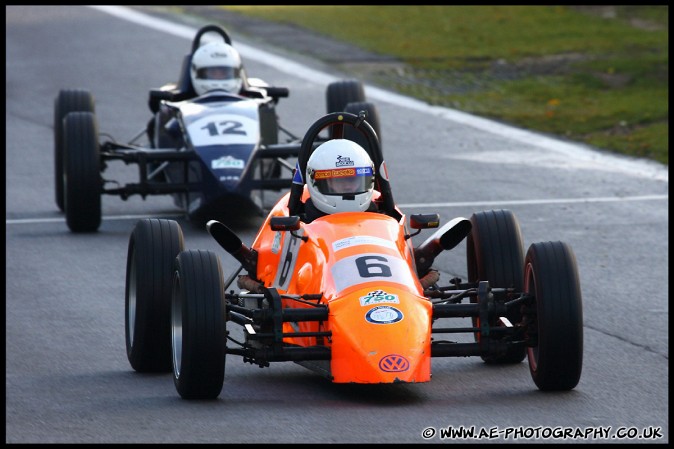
(67, 376)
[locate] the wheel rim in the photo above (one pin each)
(530, 289)
(131, 310)
(176, 326)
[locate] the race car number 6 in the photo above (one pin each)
(370, 267)
(368, 270)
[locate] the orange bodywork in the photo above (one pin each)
(363, 267)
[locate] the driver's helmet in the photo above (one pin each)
(216, 65)
(340, 177)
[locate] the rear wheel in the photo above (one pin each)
(372, 117)
(83, 184)
(495, 253)
(198, 325)
(153, 247)
(341, 93)
(67, 101)
(556, 329)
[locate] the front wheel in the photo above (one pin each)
(153, 247)
(556, 327)
(495, 253)
(83, 184)
(198, 325)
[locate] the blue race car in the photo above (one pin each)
(214, 152)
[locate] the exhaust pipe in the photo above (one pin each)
(445, 238)
(233, 245)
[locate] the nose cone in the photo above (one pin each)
(380, 336)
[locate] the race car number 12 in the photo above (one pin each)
(224, 129)
(228, 127)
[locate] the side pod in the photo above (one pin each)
(445, 238)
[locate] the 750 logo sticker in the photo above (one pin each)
(378, 297)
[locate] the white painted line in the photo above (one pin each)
(609, 199)
(104, 218)
(634, 167)
(151, 22)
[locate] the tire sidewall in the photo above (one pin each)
(153, 247)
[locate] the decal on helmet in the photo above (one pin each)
(343, 161)
(342, 172)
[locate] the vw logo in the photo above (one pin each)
(394, 363)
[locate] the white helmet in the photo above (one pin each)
(340, 177)
(216, 65)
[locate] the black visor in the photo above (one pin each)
(218, 73)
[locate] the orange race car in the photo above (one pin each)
(348, 294)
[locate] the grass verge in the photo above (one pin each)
(593, 74)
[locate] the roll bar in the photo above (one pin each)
(196, 43)
(337, 120)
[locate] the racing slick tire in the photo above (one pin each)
(83, 184)
(153, 246)
(341, 93)
(372, 117)
(198, 325)
(67, 101)
(495, 253)
(556, 329)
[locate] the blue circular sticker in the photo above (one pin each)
(383, 315)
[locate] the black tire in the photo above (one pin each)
(198, 325)
(370, 109)
(341, 93)
(551, 276)
(495, 253)
(82, 167)
(67, 101)
(153, 246)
